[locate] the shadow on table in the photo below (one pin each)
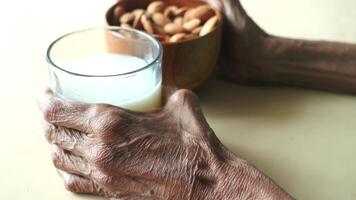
(226, 99)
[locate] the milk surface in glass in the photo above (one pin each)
(96, 81)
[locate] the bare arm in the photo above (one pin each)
(317, 64)
(235, 176)
(251, 55)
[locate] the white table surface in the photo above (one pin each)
(305, 140)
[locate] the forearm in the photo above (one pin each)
(317, 64)
(249, 54)
(242, 181)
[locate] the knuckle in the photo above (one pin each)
(185, 92)
(71, 184)
(97, 110)
(183, 95)
(49, 130)
(105, 180)
(103, 158)
(51, 110)
(57, 158)
(188, 105)
(57, 162)
(105, 118)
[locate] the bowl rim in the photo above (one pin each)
(110, 12)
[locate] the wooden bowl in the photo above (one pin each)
(186, 64)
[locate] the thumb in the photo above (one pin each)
(184, 106)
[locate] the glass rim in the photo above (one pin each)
(110, 28)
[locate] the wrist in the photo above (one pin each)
(239, 180)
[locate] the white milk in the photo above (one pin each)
(139, 91)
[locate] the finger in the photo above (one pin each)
(86, 118)
(68, 139)
(68, 162)
(183, 100)
(78, 184)
(61, 112)
(185, 106)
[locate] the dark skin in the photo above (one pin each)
(172, 153)
(168, 154)
(250, 55)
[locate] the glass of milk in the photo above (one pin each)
(109, 65)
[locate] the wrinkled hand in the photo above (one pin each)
(167, 154)
(249, 55)
(243, 41)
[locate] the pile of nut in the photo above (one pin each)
(169, 23)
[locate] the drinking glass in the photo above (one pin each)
(113, 65)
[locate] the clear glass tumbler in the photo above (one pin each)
(110, 65)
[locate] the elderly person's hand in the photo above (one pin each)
(171, 153)
(249, 55)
